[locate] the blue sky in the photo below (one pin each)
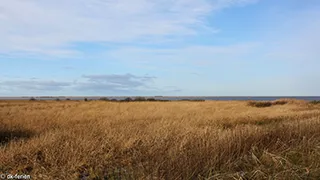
(160, 47)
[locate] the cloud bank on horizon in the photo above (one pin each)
(159, 47)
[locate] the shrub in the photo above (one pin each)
(104, 99)
(151, 99)
(32, 99)
(199, 100)
(315, 102)
(259, 104)
(192, 100)
(128, 99)
(280, 102)
(162, 100)
(85, 99)
(140, 99)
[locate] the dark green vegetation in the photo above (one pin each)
(139, 99)
(261, 104)
(315, 102)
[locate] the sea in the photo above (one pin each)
(171, 98)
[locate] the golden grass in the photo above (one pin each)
(157, 140)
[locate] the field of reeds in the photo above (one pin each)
(160, 140)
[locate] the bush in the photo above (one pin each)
(151, 99)
(315, 102)
(32, 99)
(104, 99)
(259, 104)
(85, 99)
(140, 99)
(192, 100)
(128, 99)
(280, 102)
(198, 100)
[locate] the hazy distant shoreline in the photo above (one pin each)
(221, 98)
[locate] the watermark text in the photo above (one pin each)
(15, 176)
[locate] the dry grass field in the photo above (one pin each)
(160, 140)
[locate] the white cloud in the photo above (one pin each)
(48, 27)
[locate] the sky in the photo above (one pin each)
(160, 47)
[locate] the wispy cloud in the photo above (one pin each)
(104, 84)
(49, 27)
(117, 84)
(33, 85)
(114, 81)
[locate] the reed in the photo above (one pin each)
(157, 140)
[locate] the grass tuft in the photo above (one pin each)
(260, 104)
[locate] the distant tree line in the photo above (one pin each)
(128, 99)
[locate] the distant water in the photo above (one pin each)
(172, 98)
